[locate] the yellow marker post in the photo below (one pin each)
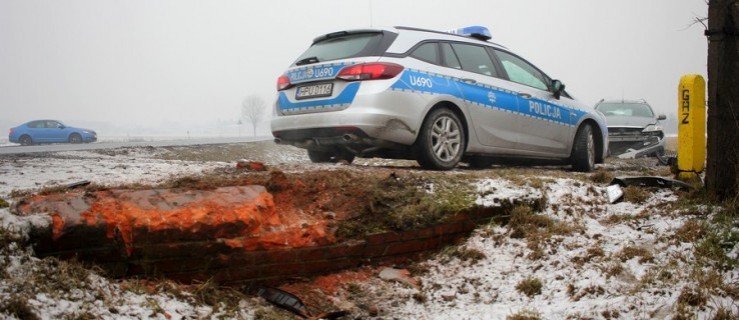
(691, 127)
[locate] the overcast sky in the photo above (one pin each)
(149, 63)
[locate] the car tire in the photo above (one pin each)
(75, 138)
(330, 157)
(583, 149)
(25, 140)
(441, 141)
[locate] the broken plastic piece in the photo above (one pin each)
(614, 193)
(658, 182)
(292, 303)
(284, 300)
(77, 184)
(398, 275)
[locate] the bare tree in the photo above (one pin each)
(722, 178)
(253, 110)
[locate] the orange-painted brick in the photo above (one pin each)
(283, 270)
(380, 238)
(311, 253)
(345, 250)
(374, 251)
(263, 257)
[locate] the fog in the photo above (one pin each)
(180, 67)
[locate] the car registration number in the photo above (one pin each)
(314, 91)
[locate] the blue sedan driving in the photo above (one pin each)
(49, 131)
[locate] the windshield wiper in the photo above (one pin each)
(307, 60)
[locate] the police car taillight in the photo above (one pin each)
(283, 82)
(370, 71)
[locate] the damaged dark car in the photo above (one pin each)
(634, 130)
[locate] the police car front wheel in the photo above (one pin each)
(583, 150)
(441, 141)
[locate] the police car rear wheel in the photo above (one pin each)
(441, 141)
(583, 150)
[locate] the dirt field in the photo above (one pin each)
(574, 256)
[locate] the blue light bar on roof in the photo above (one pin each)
(477, 32)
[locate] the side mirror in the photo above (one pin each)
(557, 88)
(661, 117)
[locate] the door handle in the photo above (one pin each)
(468, 80)
(524, 95)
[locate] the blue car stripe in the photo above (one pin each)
(488, 96)
(418, 81)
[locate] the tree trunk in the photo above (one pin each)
(722, 180)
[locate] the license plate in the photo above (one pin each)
(314, 91)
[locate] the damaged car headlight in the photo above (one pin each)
(653, 130)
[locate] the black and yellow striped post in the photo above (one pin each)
(691, 129)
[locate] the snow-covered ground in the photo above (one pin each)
(618, 261)
(577, 272)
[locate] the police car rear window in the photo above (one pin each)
(475, 59)
(343, 47)
(426, 52)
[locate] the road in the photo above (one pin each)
(15, 149)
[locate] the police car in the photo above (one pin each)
(440, 98)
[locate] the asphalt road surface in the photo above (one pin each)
(14, 149)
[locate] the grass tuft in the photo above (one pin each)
(592, 290)
(220, 298)
(691, 231)
(530, 286)
(593, 253)
(612, 269)
(723, 313)
(610, 314)
(463, 253)
(602, 176)
(524, 223)
(17, 306)
(635, 194)
(525, 314)
(400, 202)
(420, 297)
(714, 232)
(630, 252)
(692, 296)
(537, 229)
